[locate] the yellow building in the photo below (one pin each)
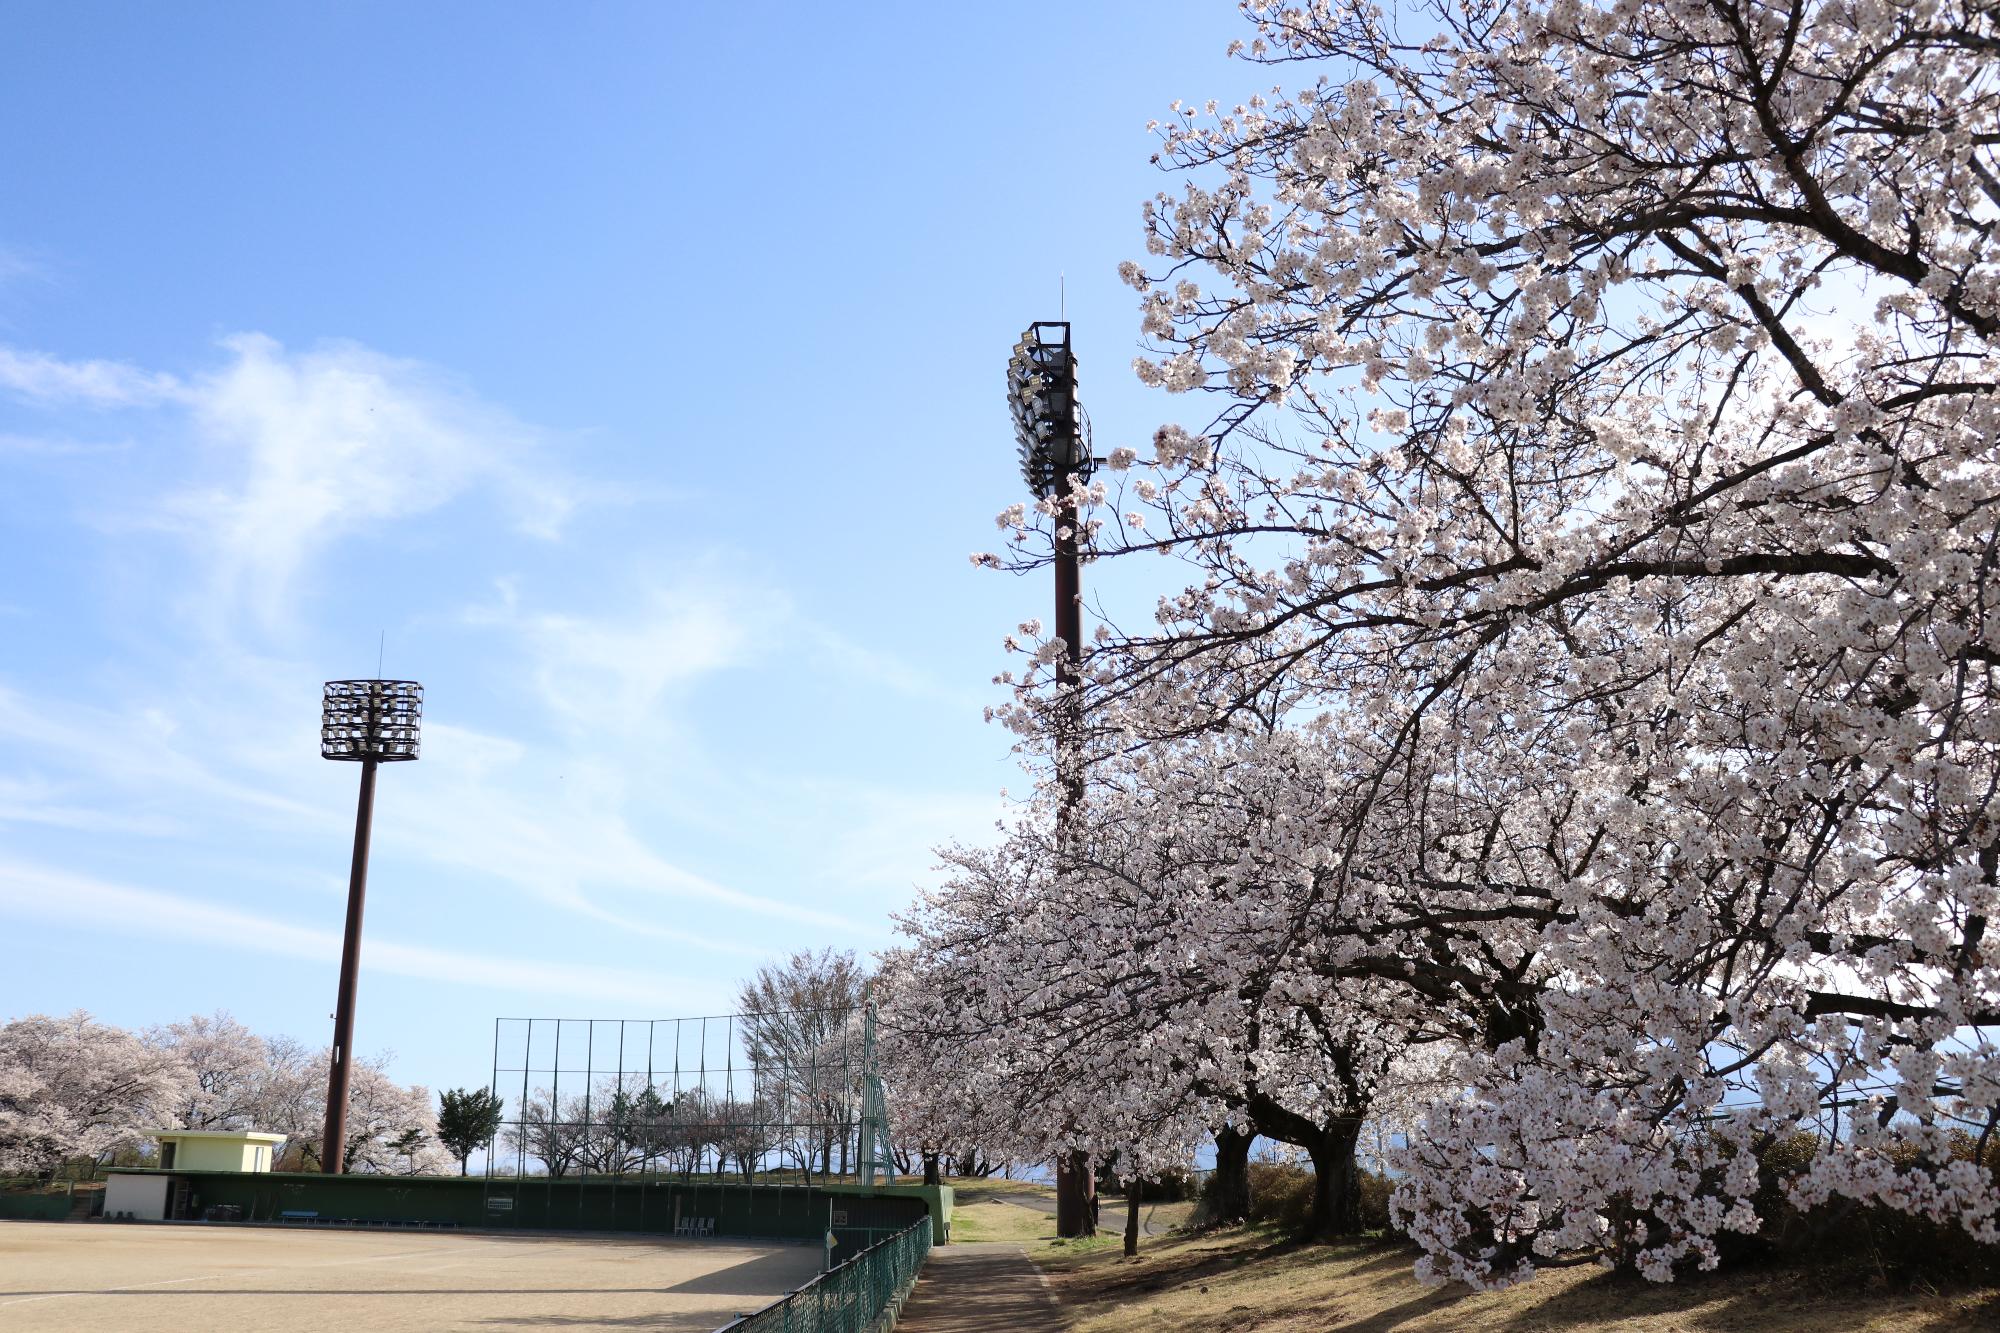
(216, 1149)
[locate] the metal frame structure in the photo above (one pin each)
(775, 1098)
(1049, 424)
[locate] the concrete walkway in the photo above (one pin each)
(980, 1288)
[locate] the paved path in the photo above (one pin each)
(980, 1288)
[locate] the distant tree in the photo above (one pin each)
(291, 1100)
(468, 1118)
(409, 1143)
(379, 1112)
(381, 1116)
(556, 1134)
(743, 1133)
(228, 1067)
(626, 1128)
(73, 1087)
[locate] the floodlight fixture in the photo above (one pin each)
(368, 722)
(371, 720)
(1049, 423)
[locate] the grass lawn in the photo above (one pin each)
(984, 1210)
(1253, 1282)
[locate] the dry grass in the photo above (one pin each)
(1003, 1210)
(1249, 1282)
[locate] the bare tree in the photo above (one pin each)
(802, 1039)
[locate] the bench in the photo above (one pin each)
(298, 1215)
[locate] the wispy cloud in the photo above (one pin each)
(112, 751)
(40, 893)
(317, 445)
(575, 847)
(298, 449)
(620, 668)
(51, 381)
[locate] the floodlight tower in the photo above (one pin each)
(368, 722)
(1055, 453)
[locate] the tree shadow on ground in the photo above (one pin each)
(1985, 1315)
(1750, 1303)
(1382, 1321)
(1184, 1270)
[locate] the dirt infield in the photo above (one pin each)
(167, 1278)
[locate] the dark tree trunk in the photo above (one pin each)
(1132, 1191)
(1227, 1200)
(933, 1175)
(1336, 1180)
(1076, 1196)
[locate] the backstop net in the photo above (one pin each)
(782, 1097)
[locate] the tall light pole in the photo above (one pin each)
(368, 722)
(1055, 452)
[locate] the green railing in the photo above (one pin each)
(851, 1298)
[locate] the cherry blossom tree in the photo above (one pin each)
(73, 1087)
(1605, 479)
(228, 1068)
(1133, 998)
(391, 1127)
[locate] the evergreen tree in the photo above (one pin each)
(467, 1119)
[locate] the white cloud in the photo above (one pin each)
(35, 801)
(133, 751)
(619, 669)
(51, 381)
(317, 445)
(51, 895)
(884, 840)
(568, 842)
(298, 449)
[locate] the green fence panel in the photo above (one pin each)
(851, 1297)
(539, 1203)
(34, 1207)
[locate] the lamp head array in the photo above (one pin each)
(371, 719)
(1048, 420)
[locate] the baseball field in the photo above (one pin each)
(59, 1277)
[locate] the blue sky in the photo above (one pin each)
(636, 369)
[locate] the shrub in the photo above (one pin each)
(1375, 1191)
(1281, 1196)
(1866, 1243)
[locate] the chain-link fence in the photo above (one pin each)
(851, 1298)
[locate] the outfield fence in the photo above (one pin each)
(855, 1297)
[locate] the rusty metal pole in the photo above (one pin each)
(1076, 1183)
(333, 1150)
